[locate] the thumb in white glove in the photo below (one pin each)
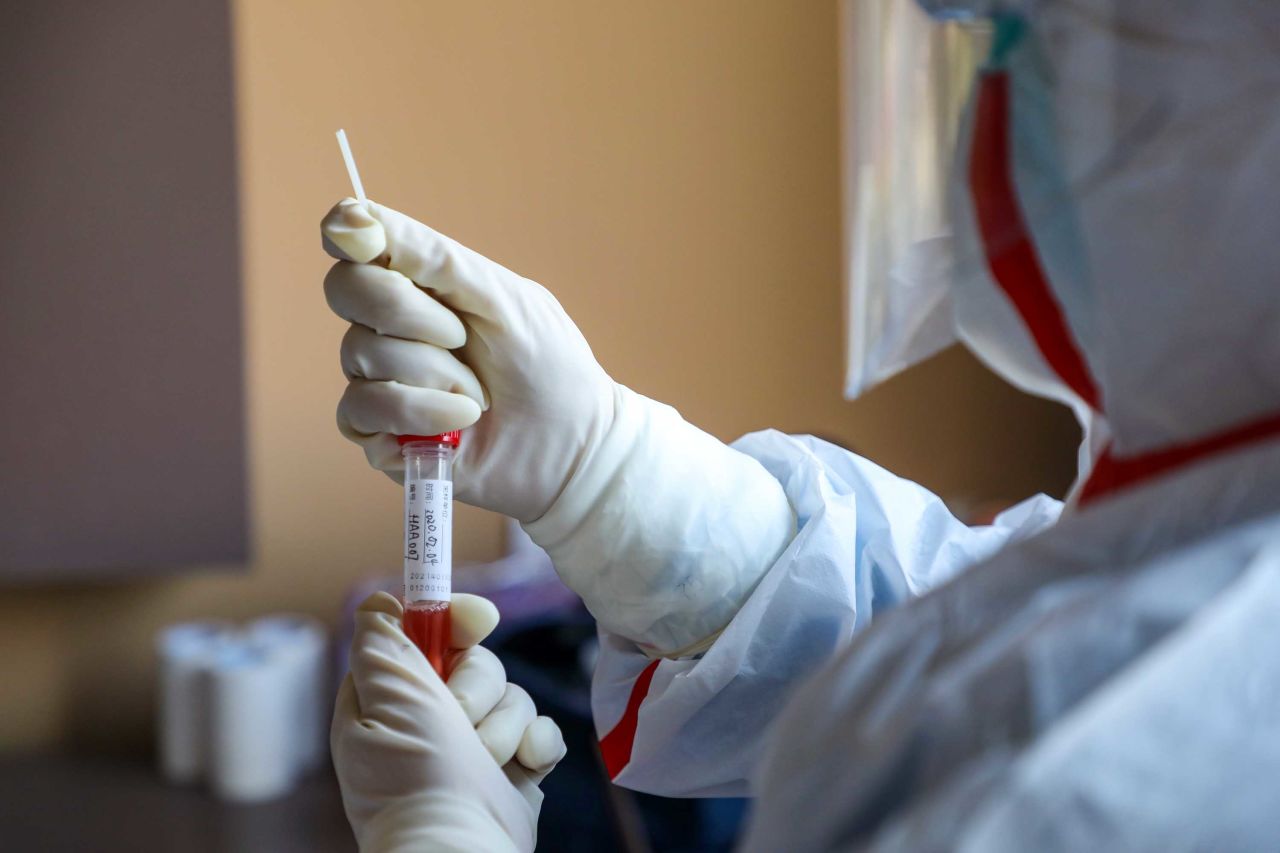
(661, 528)
(427, 766)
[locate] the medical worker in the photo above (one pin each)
(1107, 679)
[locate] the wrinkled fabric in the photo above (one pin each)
(1111, 683)
(867, 540)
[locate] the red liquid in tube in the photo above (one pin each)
(429, 628)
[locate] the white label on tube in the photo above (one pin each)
(428, 545)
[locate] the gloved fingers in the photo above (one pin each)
(368, 407)
(367, 355)
(478, 681)
(503, 728)
(471, 619)
(348, 725)
(347, 735)
(526, 783)
(389, 303)
(346, 707)
(541, 747)
(382, 603)
(381, 449)
(392, 680)
(349, 233)
(462, 279)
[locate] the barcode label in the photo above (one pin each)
(428, 540)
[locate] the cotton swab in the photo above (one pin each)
(352, 172)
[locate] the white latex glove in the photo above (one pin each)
(425, 765)
(662, 529)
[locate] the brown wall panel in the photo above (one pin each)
(121, 407)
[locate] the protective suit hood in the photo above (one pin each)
(1116, 231)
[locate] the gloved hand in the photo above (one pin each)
(661, 528)
(425, 765)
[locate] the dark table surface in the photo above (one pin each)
(60, 804)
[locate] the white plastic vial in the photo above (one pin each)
(428, 542)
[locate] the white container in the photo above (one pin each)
(184, 652)
(250, 715)
(299, 645)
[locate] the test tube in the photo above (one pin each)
(428, 542)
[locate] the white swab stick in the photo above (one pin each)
(352, 172)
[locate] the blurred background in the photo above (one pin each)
(670, 170)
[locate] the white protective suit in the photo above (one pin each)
(1105, 680)
(1113, 682)
(1059, 695)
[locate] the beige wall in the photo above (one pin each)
(669, 169)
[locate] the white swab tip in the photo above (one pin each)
(352, 172)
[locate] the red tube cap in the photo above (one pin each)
(453, 439)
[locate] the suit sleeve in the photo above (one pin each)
(866, 540)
